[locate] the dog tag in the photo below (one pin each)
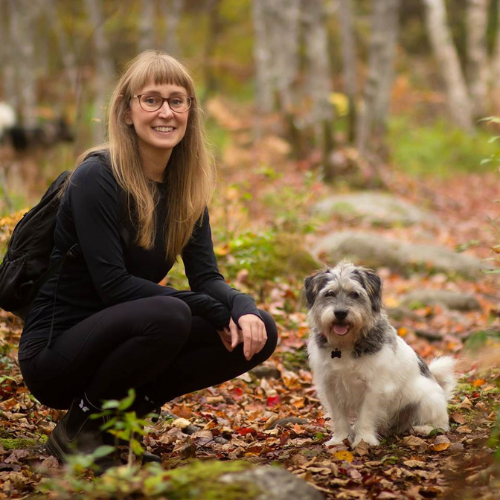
(336, 353)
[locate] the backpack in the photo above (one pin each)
(25, 267)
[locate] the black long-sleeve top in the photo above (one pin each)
(108, 270)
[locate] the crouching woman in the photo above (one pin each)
(102, 324)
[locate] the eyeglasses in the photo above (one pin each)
(179, 103)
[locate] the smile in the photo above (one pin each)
(163, 129)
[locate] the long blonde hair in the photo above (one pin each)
(190, 174)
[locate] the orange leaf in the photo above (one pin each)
(343, 455)
(479, 382)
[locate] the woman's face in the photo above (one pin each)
(158, 131)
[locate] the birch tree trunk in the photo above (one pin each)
(104, 68)
(449, 64)
(263, 59)
(349, 62)
(319, 84)
(171, 11)
(22, 23)
(372, 123)
(214, 30)
(147, 25)
(477, 56)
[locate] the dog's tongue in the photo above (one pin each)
(340, 329)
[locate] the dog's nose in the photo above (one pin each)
(341, 314)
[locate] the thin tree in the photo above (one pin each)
(104, 67)
(442, 43)
(477, 56)
(372, 122)
(171, 12)
(147, 25)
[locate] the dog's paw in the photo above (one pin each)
(369, 439)
(335, 440)
(422, 430)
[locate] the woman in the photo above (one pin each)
(103, 325)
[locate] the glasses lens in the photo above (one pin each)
(180, 103)
(151, 102)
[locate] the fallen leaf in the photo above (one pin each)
(344, 455)
(441, 443)
(466, 403)
(414, 463)
(479, 382)
(458, 418)
(463, 429)
(413, 442)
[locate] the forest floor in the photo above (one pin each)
(243, 418)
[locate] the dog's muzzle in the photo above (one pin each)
(341, 328)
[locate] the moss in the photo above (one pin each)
(202, 480)
(21, 443)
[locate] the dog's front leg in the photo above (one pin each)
(370, 415)
(340, 426)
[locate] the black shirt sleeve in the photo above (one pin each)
(204, 276)
(94, 200)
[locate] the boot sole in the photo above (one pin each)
(54, 449)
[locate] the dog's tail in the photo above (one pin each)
(443, 370)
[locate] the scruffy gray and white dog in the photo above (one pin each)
(362, 368)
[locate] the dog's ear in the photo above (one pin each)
(313, 284)
(373, 285)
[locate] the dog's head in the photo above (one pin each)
(343, 299)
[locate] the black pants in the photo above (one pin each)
(153, 345)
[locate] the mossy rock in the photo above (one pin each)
(20, 443)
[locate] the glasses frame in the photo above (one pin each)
(163, 99)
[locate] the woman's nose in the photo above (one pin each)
(165, 109)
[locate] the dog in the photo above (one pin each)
(362, 368)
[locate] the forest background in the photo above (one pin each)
(341, 128)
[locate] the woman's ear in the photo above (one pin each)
(127, 117)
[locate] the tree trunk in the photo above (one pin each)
(495, 65)
(214, 29)
(171, 11)
(66, 49)
(477, 56)
(263, 57)
(449, 64)
(104, 68)
(147, 25)
(372, 123)
(349, 63)
(319, 84)
(22, 29)
(8, 68)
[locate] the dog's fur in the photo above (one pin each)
(362, 368)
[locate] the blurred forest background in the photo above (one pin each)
(340, 128)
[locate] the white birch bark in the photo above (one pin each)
(477, 56)
(348, 46)
(372, 121)
(171, 11)
(104, 68)
(22, 23)
(263, 57)
(147, 25)
(449, 64)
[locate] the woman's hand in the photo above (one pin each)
(252, 333)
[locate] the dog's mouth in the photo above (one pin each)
(341, 328)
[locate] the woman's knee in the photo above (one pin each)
(167, 315)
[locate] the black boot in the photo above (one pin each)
(77, 433)
(143, 406)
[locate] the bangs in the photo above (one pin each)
(159, 69)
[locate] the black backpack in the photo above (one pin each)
(25, 267)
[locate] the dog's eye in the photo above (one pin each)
(354, 295)
(330, 293)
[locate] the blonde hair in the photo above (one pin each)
(190, 174)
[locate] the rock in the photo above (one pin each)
(450, 300)
(275, 484)
(376, 208)
(266, 371)
(373, 250)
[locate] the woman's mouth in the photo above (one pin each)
(163, 129)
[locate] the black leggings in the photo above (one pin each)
(153, 345)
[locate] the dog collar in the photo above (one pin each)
(336, 353)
